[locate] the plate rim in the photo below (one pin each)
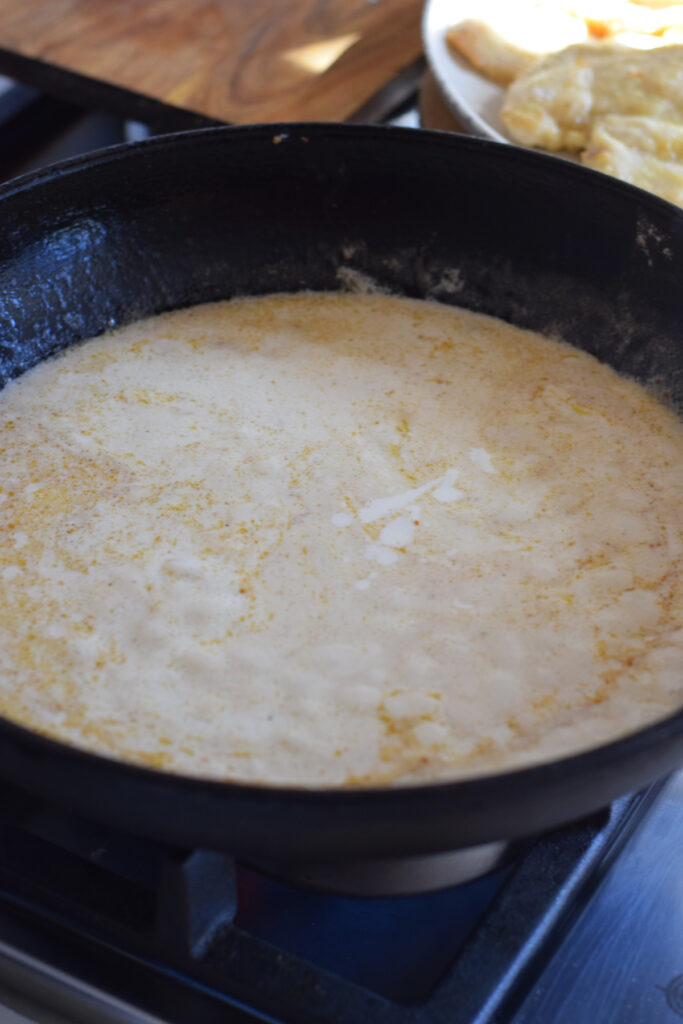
(438, 55)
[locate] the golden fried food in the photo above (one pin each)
(506, 39)
(504, 51)
(640, 150)
(606, 18)
(557, 102)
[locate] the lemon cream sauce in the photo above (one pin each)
(334, 540)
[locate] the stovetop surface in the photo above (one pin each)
(602, 944)
(622, 963)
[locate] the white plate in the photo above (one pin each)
(474, 100)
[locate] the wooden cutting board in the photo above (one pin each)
(241, 61)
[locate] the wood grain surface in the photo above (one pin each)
(241, 61)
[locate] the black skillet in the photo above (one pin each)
(545, 244)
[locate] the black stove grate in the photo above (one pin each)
(188, 935)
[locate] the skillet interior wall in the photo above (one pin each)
(105, 240)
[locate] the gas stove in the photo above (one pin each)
(584, 925)
(580, 926)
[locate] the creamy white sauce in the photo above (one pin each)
(337, 540)
(481, 458)
(441, 488)
(380, 553)
(398, 533)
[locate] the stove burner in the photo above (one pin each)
(95, 918)
(399, 876)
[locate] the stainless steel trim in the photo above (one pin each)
(77, 1000)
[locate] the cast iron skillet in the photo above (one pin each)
(131, 231)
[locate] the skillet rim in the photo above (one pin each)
(665, 728)
(288, 132)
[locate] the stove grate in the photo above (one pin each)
(137, 921)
